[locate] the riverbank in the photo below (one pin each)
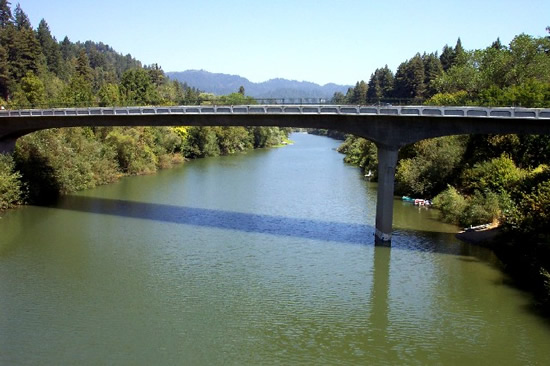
(525, 261)
(485, 236)
(51, 163)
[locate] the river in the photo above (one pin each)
(265, 257)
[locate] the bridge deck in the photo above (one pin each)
(428, 111)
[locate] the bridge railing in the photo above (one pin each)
(410, 111)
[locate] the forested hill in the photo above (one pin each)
(220, 84)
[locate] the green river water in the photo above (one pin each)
(254, 259)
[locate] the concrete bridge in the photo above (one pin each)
(389, 127)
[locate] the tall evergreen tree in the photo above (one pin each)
(137, 87)
(432, 70)
(338, 98)
(409, 80)
(4, 73)
(359, 93)
(24, 53)
(5, 14)
(459, 54)
(386, 81)
(50, 48)
(83, 68)
(21, 19)
(497, 45)
(374, 91)
(157, 74)
(447, 57)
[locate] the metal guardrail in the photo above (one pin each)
(427, 111)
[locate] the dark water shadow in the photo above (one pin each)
(260, 223)
(220, 219)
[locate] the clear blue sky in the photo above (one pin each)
(323, 41)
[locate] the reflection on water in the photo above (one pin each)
(259, 258)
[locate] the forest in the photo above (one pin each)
(37, 71)
(478, 179)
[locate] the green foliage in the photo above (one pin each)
(410, 80)
(77, 93)
(496, 175)
(109, 95)
(451, 204)
(11, 189)
(137, 88)
(233, 139)
(359, 93)
(201, 142)
(481, 209)
(6, 17)
(533, 214)
(459, 98)
(235, 99)
(50, 48)
(380, 85)
(55, 162)
(360, 152)
(428, 165)
(133, 148)
(32, 93)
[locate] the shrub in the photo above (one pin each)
(451, 204)
(11, 192)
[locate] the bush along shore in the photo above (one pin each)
(50, 163)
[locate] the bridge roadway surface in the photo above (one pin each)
(389, 127)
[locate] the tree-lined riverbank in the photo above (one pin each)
(36, 71)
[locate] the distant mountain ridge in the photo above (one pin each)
(221, 84)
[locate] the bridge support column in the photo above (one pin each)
(7, 146)
(387, 160)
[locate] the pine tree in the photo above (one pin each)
(67, 49)
(432, 70)
(156, 74)
(4, 73)
(459, 54)
(401, 87)
(5, 14)
(50, 48)
(21, 19)
(374, 91)
(409, 80)
(83, 68)
(359, 93)
(137, 88)
(386, 81)
(416, 77)
(497, 45)
(24, 53)
(447, 57)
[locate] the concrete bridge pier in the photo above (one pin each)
(387, 160)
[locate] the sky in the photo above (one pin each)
(322, 41)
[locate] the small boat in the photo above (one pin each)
(417, 201)
(369, 174)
